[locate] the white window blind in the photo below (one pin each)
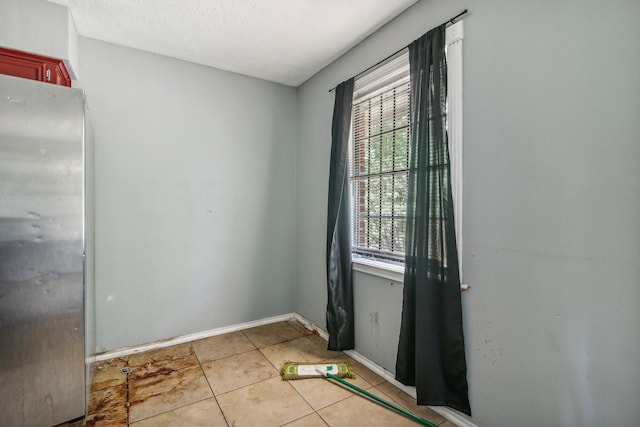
(379, 160)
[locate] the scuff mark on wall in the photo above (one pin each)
(374, 318)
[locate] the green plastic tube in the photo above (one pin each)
(384, 402)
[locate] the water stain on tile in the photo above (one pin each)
(151, 370)
(160, 355)
(108, 407)
(165, 366)
(108, 373)
(301, 328)
(164, 392)
(173, 385)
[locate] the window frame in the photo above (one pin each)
(454, 36)
(380, 98)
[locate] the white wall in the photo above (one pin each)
(195, 195)
(551, 207)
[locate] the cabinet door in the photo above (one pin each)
(33, 67)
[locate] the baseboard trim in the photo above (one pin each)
(126, 351)
(448, 413)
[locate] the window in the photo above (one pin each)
(379, 158)
(379, 161)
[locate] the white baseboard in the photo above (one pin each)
(192, 337)
(448, 413)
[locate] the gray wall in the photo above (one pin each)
(551, 208)
(195, 195)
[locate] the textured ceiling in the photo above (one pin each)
(284, 41)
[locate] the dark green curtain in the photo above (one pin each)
(431, 352)
(339, 277)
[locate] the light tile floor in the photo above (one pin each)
(234, 380)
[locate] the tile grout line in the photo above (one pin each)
(126, 402)
(174, 409)
(229, 357)
(315, 411)
(278, 370)
(261, 350)
(210, 387)
(372, 387)
(314, 343)
(304, 416)
(181, 406)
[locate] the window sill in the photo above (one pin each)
(385, 270)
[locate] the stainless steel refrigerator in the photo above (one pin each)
(46, 251)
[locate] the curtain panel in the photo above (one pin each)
(431, 354)
(340, 324)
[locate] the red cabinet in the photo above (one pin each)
(33, 67)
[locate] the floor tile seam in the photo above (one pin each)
(246, 385)
(323, 348)
(382, 380)
(276, 373)
(395, 401)
(301, 396)
(129, 382)
(293, 339)
(249, 338)
(205, 375)
(278, 369)
(127, 405)
(322, 418)
(377, 392)
(304, 416)
(279, 342)
(354, 396)
(336, 402)
(244, 351)
(211, 388)
(371, 384)
(405, 406)
(267, 345)
(173, 390)
(323, 407)
(172, 409)
(228, 357)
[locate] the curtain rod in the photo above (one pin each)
(449, 22)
